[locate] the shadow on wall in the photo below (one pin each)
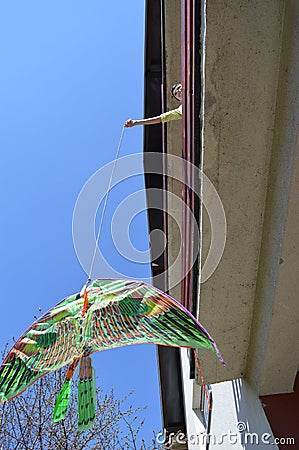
(252, 424)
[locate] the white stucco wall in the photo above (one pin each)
(238, 419)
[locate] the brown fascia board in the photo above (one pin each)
(168, 357)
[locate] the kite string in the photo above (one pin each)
(105, 205)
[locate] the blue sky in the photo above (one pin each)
(71, 74)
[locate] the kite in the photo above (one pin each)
(106, 314)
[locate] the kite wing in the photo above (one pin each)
(49, 344)
(123, 312)
(117, 313)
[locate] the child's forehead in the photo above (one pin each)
(179, 86)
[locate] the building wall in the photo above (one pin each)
(244, 424)
(251, 155)
(238, 418)
(249, 144)
(284, 425)
(274, 347)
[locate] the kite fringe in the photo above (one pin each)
(202, 379)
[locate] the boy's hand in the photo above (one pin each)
(130, 123)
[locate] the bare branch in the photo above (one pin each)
(26, 421)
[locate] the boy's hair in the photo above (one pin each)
(173, 89)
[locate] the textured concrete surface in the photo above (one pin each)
(243, 46)
(280, 362)
(274, 348)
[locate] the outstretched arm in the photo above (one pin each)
(151, 121)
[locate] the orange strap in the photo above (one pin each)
(84, 309)
(202, 379)
(72, 368)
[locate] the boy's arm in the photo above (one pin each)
(174, 114)
(151, 121)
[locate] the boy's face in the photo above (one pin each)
(178, 92)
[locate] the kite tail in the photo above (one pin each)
(64, 394)
(86, 395)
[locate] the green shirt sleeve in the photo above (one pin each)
(174, 114)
